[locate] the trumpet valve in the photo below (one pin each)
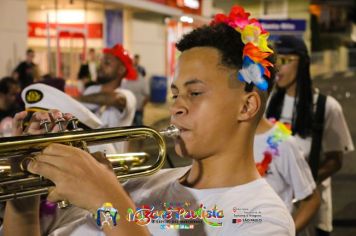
(44, 124)
(60, 122)
(74, 123)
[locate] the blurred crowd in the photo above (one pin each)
(27, 73)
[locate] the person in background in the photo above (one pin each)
(9, 90)
(317, 121)
(141, 70)
(88, 70)
(50, 80)
(25, 72)
(281, 162)
(113, 105)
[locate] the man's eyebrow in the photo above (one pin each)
(187, 83)
(193, 81)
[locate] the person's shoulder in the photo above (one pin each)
(332, 104)
(164, 175)
(283, 136)
(252, 193)
(21, 65)
(290, 143)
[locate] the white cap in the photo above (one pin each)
(41, 96)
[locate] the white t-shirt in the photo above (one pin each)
(288, 173)
(336, 137)
(111, 116)
(254, 207)
(139, 88)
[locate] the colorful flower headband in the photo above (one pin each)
(255, 51)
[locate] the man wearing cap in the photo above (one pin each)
(113, 105)
(317, 121)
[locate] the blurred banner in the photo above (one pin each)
(114, 27)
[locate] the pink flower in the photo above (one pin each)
(255, 22)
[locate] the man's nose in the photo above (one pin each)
(179, 107)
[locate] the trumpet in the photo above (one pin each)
(16, 182)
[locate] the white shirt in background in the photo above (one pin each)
(289, 173)
(336, 137)
(111, 116)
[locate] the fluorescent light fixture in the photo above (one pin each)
(186, 19)
(194, 4)
(67, 16)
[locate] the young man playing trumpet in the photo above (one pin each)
(218, 102)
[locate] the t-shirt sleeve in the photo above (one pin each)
(129, 111)
(296, 170)
(336, 135)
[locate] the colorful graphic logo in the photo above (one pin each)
(175, 213)
(107, 215)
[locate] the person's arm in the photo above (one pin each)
(105, 99)
(22, 217)
(306, 210)
(331, 164)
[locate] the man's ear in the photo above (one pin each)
(251, 105)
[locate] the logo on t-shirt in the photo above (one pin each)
(175, 215)
(246, 216)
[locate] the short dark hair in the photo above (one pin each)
(226, 40)
(5, 84)
(222, 37)
(30, 50)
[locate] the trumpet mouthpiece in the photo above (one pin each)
(170, 132)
